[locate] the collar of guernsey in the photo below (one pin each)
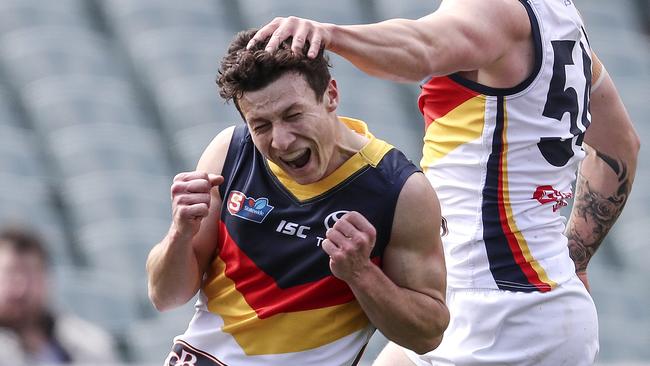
(370, 154)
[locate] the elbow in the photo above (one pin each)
(425, 344)
(438, 331)
(158, 301)
(432, 338)
(163, 303)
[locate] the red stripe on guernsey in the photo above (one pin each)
(525, 266)
(441, 95)
(262, 293)
(513, 242)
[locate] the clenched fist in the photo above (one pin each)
(349, 244)
(191, 200)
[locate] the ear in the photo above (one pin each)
(331, 97)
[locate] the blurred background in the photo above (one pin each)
(102, 102)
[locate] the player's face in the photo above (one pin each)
(292, 129)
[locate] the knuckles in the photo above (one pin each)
(193, 211)
(189, 199)
(197, 185)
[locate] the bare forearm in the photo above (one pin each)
(603, 186)
(411, 319)
(173, 272)
(395, 49)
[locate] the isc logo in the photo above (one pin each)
(291, 228)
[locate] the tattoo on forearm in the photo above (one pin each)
(598, 211)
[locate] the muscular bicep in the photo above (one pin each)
(473, 34)
(414, 258)
(211, 161)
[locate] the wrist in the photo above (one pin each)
(176, 235)
(365, 276)
(333, 36)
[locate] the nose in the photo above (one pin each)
(283, 137)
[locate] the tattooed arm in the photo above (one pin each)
(605, 177)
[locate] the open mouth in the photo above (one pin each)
(298, 159)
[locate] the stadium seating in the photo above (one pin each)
(409, 9)
(116, 194)
(92, 147)
(106, 298)
(171, 52)
(26, 200)
(57, 102)
(41, 51)
(143, 347)
(21, 14)
(132, 17)
(26, 194)
(256, 13)
(17, 153)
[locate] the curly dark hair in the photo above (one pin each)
(245, 70)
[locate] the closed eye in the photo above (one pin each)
(261, 127)
(293, 116)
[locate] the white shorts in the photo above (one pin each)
(502, 328)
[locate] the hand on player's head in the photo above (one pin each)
(302, 31)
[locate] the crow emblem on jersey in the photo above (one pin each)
(248, 208)
(548, 194)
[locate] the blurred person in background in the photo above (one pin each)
(31, 333)
(301, 230)
(515, 103)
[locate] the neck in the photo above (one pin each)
(349, 142)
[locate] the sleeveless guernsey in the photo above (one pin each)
(269, 297)
(502, 161)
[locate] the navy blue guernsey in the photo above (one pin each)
(272, 228)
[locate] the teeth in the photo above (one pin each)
(294, 155)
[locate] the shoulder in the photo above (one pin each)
(417, 190)
(214, 155)
(491, 10)
(503, 17)
(417, 212)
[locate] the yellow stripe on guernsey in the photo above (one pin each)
(277, 334)
(521, 241)
(371, 154)
(461, 125)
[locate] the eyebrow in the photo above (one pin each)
(257, 119)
